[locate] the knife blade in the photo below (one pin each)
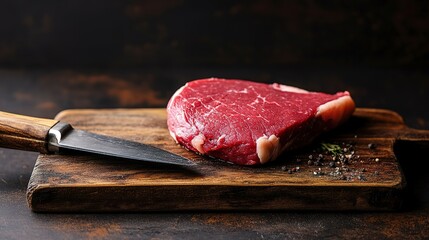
(52, 136)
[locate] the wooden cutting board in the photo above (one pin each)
(371, 180)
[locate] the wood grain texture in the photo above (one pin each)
(24, 132)
(91, 183)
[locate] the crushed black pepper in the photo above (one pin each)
(371, 146)
(290, 170)
(339, 161)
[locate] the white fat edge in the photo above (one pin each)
(172, 99)
(285, 88)
(173, 135)
(267, 148)
(175, 95)
(198, 141)
(337, 110)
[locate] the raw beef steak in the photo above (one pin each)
(251, 123)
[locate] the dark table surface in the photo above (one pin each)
(43, 93)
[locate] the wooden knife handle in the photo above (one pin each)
(24, 132)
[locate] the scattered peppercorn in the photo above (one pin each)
(361, 177)
(339, 161)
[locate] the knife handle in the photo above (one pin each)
(24, 132)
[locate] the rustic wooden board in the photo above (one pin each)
(90, 183)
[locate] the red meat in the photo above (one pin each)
(250, 123)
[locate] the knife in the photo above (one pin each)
(52, 136)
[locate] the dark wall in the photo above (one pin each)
(117, 34)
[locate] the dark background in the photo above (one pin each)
(247, 34)
(371, 48)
